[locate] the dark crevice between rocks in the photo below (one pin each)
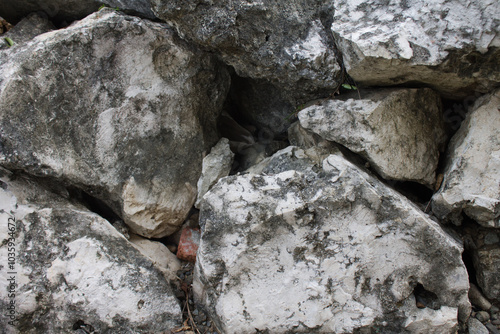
(93, 204)
(419, 194)
(425, 298)
(254, 119)
(81, 327)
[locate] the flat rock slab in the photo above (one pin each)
(453, 46)
(326, 251)
(400, 132)
(74, 270)
(472, 175)
(286, 42)
(118, 107)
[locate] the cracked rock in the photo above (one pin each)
(327, 249)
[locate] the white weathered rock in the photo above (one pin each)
(472, 176)
(216, 165)
(453, 46)
(73, 268)
(161, 256)
(326, 249)
(117, 106)
(400, 132)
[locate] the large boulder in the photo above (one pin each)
(472, 175)
(399, 131)
(326, 249)
(453, 46)
(286, 42)
(71, 269)
(117, 106)
(66, 11)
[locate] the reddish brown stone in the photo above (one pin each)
(188, 245)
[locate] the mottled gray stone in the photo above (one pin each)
(117, 106)
(476, 327)
(472, 175)
(31, 26)
(216, 165)
(399, 131)
(69, 10)
(325, 248)
(286, 42)
(486, 260)
(73, 268)
(453, 46)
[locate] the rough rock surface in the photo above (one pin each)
(74, 270)
(288, 43)
(118, 107)
(472, 176)
(453, 46)
(486, 260)
(28, 28)
(400, 132)
(216, 165)
(476, 327)
(326, 250)
(67, 11)
(162, 258)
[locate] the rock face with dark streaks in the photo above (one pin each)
(472, 176)
(74, 270)
(452, 46)
(288, 43)
(325, 248)
(118, 107)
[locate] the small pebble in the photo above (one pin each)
(483, 316)
(494, 309)
(496, 322)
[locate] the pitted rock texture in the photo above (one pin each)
(74, 269)
(66, 11)
(472, 176)
(117, 106)
(288, 43)
(400, 132)
(453, 46)
(326, 250)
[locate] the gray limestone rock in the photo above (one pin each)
(399, 131)
(31, 26)
(118, 107)
(74, 270)
(216, 165)
(286, 42)
(324, 249)
(486, 260)
(476, 327)
(453, 46)
(69, 10)
(472, 175)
